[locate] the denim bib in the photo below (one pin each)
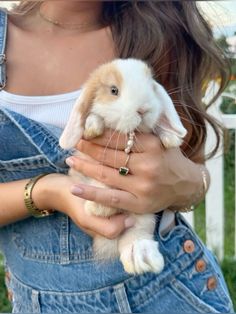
(50, 260)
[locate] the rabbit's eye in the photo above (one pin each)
(114, 90)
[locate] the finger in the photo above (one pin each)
(109, 227)
(111, 139)
(107, 196)
(101, 173)
(143, 142)
(106, 156)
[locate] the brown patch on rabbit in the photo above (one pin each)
(98, 87)
(110, 78)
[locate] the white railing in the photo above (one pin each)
(214, 202)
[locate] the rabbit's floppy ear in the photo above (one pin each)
(74, 129)
(169, 126)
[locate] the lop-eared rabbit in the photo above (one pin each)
(122, 95)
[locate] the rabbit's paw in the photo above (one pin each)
(94, 126)
(170, 140)
(142, 256)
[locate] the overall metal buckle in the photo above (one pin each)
(2, 61)
(2, 85)
(3, 58)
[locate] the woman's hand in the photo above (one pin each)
(158, 177)
(53, 192)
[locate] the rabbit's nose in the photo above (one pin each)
(142, 111)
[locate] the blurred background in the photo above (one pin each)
(221, 15)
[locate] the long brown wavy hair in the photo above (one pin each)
(176, 41)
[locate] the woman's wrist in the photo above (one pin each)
(45, 193)
(196, 185)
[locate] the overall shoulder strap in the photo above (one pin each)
(3, 35)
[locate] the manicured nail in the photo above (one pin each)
(129, 222)
(70, 162)
(76, 190)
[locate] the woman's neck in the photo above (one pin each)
(69, 12)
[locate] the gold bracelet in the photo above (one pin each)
(29, 203)
(204, 179)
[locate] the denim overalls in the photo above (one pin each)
(50, 261)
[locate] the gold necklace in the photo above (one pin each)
(81, 26)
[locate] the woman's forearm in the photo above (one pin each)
(12, 206)
(53, 192)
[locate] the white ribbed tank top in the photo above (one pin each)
(52, 109)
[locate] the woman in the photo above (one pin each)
(51, 48)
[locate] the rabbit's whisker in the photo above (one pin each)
(164, 65)
(162, 57)
(180, 104)
(187, 146)
(177, 90)
(139, 147)
(105, 148)
(167, 72)
(117, 143)
(184, 118)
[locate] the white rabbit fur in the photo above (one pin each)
(140, 103)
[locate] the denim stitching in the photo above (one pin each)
(27, 163)
(192, 299)
(64, 240)
(164, 278)
(220, 292)
(3, 28)
(35, 301)
(121, 298)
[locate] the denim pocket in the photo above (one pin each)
(24, 168)
(27, 148)
(25, 164)
(28, 299)
(54, 239)
(19, 157)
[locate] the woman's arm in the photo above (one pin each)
(159, 178)
(12, 207)
(53, 192)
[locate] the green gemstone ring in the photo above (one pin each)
(123, 171)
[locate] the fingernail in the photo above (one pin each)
(76, 190)
(129, 222)
(70, 162)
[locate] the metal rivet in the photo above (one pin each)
(2, 85)
(2, 58)
(189, 246)
(200, 265)
(9, 295)
(211, 283)
(7, 276)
